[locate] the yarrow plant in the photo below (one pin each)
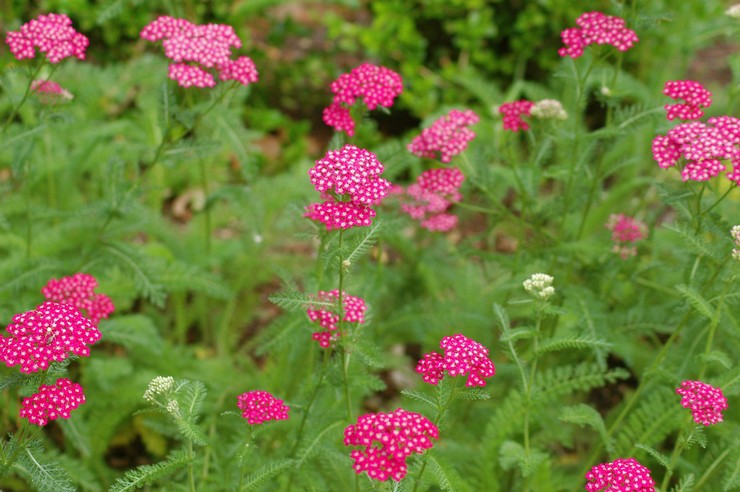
(705, 401)
(462, 356)
(49, 333)
(260, 406)
(50, 92)
(375, 85)
(429, 199)
(513, 112)
(693, 93)
(626, 231)
(447, 137)
(540, 285)
(620, 475)
(386, 440)
(596, 28)
(349, 179)
(78, 290)
(548, 109)
(52, 401)
(51, 34)
(703, 148)
(354, 312)
(197, 50)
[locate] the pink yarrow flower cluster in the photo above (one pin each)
(353, 309)
(705, 401)
(621, 475)
(447, 137)
(260, 406)
(49, 333)
(50, 92)
(78, 290)
(429, 199)
(462, 356)
(513, 112)
(596, 28)
(702, 147)
(694, 95)
(198, 50)
(387, 439)
(51, 34)
(376, 85)
(349, 179)
(52, 401)
(626, 231)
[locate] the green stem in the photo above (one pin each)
(27, 92)
(528, 393)
(713, 330)
(732, 187)
(677, 450)
(206, 207)
(342, 334)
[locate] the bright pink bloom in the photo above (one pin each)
(195, 48)
(340, 215)
(431, 196)
(49, 333)
(513, 113)
(260, 406)
(387, 439)
(705, 402)
(596, 28)
(354, 312)
(52, 402)
(79, 291)
(376, 85)
(621, 475)
(462, 356)
(350, 171)
(695, 95)
(626, 231)
(50, 92)
(447, 137)
(703, 148)
(52, 34)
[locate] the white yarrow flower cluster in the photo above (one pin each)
(735, 232)
(540, 285)
(549, 109)
(733, 11)
(158, 386)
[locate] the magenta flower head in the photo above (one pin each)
(596, 28)
(462, 356)
(354, 312)
(702, 148)
(375, 85)
(350, 180)
(429, 199)
(79, 291)
(621, 475)
(386, 440)
(705, 401)
(52, 401)
(695, 95)
(260, 406)
(513, 113)
(51, 34)
(199, 51)
(50, 92)
(49, 333)
(626, 231)
(447, 137)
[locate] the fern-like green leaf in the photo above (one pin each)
(44, 476)
(148, 474)
(265, 473)
(731, 479)
(473, 394)
(572, 342)
(696, 300)
(582, 414)
(293, 300)
(419, 396)
(133, 261)
(513, 454)
(447, 477)
(369, 353)
(659, 457)
(364, 243)
(135, 332)
(686, 484)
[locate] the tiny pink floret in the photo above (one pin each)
(705, 401)
(429, 199)
(621, 475)
(260, 406)
(78, 290)
(354, 312)
(51, 34)
(386, 440)
(462, 356)
(626, 231)
(513, 112)
(52, 402)
(694, 95)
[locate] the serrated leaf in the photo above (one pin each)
(571, 342)
(472, 394)
(147, 474)
(660, 457)
(686, 484)
(265, 473)
(369, 353)
(717, 356)
(418, 396)
(696, 300)
(447, 477)
(513, 454)
(582, 414)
